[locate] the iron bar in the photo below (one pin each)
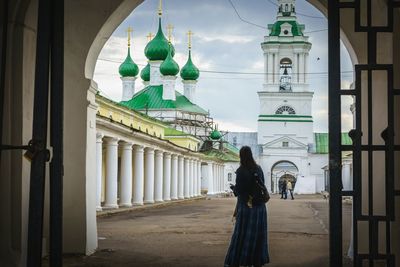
(347, 193)
(335, 179)
(39, 132)
(56, 132)
(347, 92)
(3, 53)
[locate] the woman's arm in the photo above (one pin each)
(240, 186)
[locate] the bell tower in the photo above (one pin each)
(285, 123)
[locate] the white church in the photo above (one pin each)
(287, 147)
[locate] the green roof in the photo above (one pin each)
(276, 28)
(222, 155)
(151, 98)
(322, 142)
(190, 72)
(231, 148)
(128, 68)
(174, 132)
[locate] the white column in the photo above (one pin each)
(138, 176)
(200, 177)
(294, 69)
(158, 176)
(305, 67)
(149, 175)
(210, 181)
(302, 67)
(195, 178)
(126, 175)
(174, 177)
(181, 174)
(270, 68)
(186, 179)
(191, 175)
(111, 198)
(99, 169)
(167, 177)
(214, 178)
(223, 178)
(218, 179)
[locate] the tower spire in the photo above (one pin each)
(190, 34)
(160, 8)
(170, 28)
(129, 31)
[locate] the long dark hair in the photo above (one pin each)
(246, 158)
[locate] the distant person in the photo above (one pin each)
(249, 243)
(284, 190)
(290, 188)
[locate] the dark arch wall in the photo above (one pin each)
(88, 25)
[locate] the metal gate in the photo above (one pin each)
(373, 153)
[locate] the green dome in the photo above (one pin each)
(128, 68)
(215, 135)
(169, 67)
(145, 74)
(157, 49)
(190, 72)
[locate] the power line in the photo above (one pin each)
(260, 26)
(242, 19)
(233, 72)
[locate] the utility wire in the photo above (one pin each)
(232, 72)
(263, 27)
(242, 19)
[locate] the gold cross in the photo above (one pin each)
(170, 28)
(160, 8)
(129, 31)
(190, 34)
(150, 36)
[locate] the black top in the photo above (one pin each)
(245, 181)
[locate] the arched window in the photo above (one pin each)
(285, 110)
(286, 73)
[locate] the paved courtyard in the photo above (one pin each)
(197, 233)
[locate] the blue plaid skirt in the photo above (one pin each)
(249, 243)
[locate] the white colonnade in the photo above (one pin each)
(131, 174)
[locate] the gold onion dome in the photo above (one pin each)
(158, 48)
(169, 67)
(128, 68)
(145, 73)
(190, 72)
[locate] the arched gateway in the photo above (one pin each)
(283, 171)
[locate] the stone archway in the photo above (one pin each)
(283, 170)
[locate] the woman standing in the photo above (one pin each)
(249, 244)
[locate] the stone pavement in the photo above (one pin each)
(197, 233)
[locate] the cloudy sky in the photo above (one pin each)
(223, 42)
